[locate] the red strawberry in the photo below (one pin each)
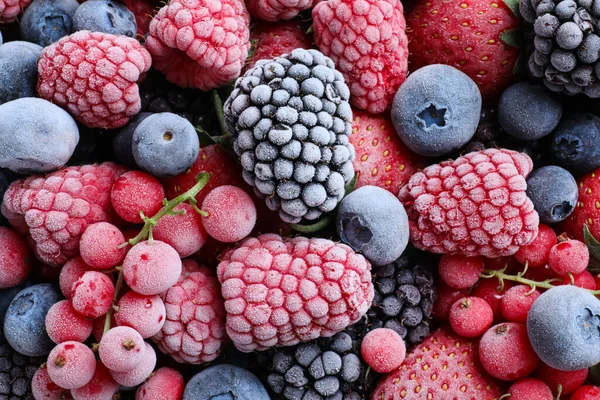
(445, 366)
(587, 211)
(471, 35)
(381, 157)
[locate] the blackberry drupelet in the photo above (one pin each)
(16, 373)
(290, 119)
(325, 369)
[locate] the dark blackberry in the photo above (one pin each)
(324, 369)
(16, 373)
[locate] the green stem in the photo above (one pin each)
(216, 99)
(118, 287)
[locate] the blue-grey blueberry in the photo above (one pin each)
(225, 382)
(107, 16)
(554, 192)
(574, 143)
(46, 21)
(18, 70)
(6, 297)
(123, 140)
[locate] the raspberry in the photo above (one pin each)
(517, 301)
(530, 389)
(569, 257)
(587, 392)
(141, 372)
(126, 200)
(568, 381)
(122, 349)
(102, 386)
(231, 214)
(94, 76)
(446, 296)
(165, 383)
(367, 41)
(43, 388)
(99, 246)
(383, 349)
(200, 44)
(279, 292)
(70, 273)
(93, 294)
(194, 332)
(15, 259)
(151, 268)
(64, 324)
(184, 232)
(10, 9)
(474, 205)
(275, 10)
(71, 365)
(536, 253)
(460, 272)
(505, 352)
(471, 317)
(58, 207)
(275, 39)
(145, 314)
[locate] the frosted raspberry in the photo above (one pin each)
(151, 268)
(272, 40)
(231, 214)
(279, 292)
(99, 246)
(101, 387)
(200, 44)
(184, 232)
(367, 41)
(122, 349)
(93, 294)
(474, 205)
(70, 273)
(383, 349)
(141, 372)
(10, 9)
(71, 365)
(275, 10)
(145, 314)
(15, 259)
(460, 272)
(64, 324)
(57, 208)
(165, 383)
(43, 388)
(127, 200)
(194, 332)
(94, 76)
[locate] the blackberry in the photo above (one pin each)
(567, 44)
(290, 119)
(324, 369)
(16, 373)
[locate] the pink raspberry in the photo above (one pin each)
(165, 383)
(184, 232)
(140, 373)
(474, 205)
(93, 294)
(279, 292)
(145, 314)
(71, 365)
(367, 41)
(99, 246)
(10, 9)
(200, 44)
(151, 268)
(383, 349)
(16, 259)
(57, 208)
(64, 324)
(231, 214)
(101, 387)
(126, 200)
(194, 332)
(43, 388)
(122, 349)
(275, 10)
(94, 76)
(70, 273)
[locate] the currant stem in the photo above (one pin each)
(118, 287)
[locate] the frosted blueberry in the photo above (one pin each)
(18, 70)
(107, 16)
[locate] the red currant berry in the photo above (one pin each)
(446, 296)
(184, 232)
(140, 373)
(492, 292)
(540, 274)
(569, 381)
(70, 273)
(587, 392)
(71, 365)
(471, 316)
(145, 314)
(43, 388)
(122, 349)
(460, 272)
(231, 214)
(93, 294)
(165, 383)
(16, 259)
(536, 253)
(505, 352)
(101, 387)
(136, 191)
(511, 265)
(530, 389)
(383, 350)
(570, 256)
(517, 301)
(151, 268)
(99, 245)
(64, 324)
(583, 280)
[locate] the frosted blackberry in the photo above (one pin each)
(567, 44)
(325, 369)
(290, 119)
(16, 373)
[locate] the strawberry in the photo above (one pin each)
(381, 157)
(444, 367)
(587, 211)
(475, 36)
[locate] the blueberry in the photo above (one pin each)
(564, 328)
(1, 39)
(46, 139)
(373, 221)
(18, 70)
(528, 112)
(46, 21)
(24, 324)
(225, 382)
(575, 145)
(553, 191)
(107, 16)
(436, 110)
(6, 297)
(165, 145)
(123, 140)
